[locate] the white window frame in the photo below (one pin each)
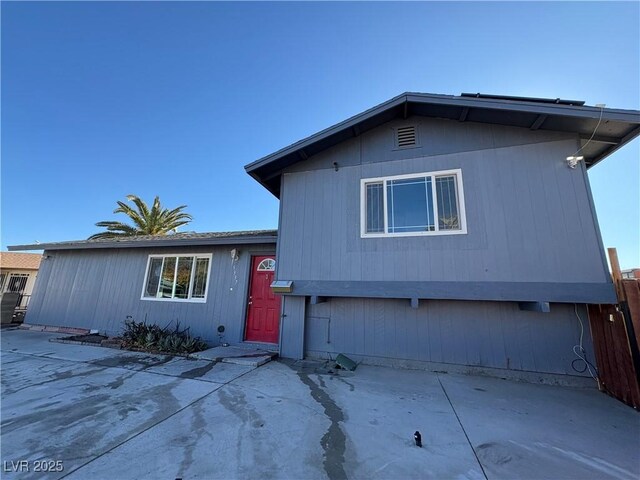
(193, 270)
(271, 262)
(440, 173)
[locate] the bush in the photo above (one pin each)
(152, 338)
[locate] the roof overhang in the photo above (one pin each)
(617, 127)
(152, 242)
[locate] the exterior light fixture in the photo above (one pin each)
(572, 161)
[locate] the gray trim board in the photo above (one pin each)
(594, 217)
(292, 327)
(493, 291)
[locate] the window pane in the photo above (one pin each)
(183, 278)
(410, 205)
(154, 277)
(447, 203)
(17, 283)
(267, 265)
(168, 273)
(200, 278)
(375, 214)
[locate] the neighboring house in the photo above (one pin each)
(18, 272)
(431, 230)
(631, 274)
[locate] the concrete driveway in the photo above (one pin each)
(119, 415)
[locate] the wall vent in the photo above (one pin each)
(406, 136)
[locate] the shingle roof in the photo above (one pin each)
(618, 126)
(20, 261)
(176, 239)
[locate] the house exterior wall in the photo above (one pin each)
(476, 334)
(528, 215)
(529, 221)
(98, 289)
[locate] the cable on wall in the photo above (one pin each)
(580, 352)
(572, 160)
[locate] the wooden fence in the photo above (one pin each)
(616, 336)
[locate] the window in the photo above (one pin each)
(176, 278)
(17, 282)
(417, 204)
(267, 265)
(2, 278)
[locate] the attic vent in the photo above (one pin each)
(406, 136)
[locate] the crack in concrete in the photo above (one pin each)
(56, 376)
(462, 427)
(148, 425)
(235, 401)
(124, 361)
(198, 424)
(351, 385)
(334, 441)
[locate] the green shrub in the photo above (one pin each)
(153, 338)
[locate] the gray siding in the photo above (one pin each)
(477, 334)
(528, 215)
(529, 219)
(292, 327)
(98, 289)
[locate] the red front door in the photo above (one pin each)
(263, 312)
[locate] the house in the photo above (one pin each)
(631, 274)
(18, 272)
(202, 280)
(448, 232)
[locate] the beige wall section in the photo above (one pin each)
(30, 281)
(28, 289)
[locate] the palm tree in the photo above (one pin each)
(154, 221)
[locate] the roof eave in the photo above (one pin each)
(626, 139)
(575, 111)
(321, 135)
(184, 242)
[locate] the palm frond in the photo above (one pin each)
(146, 221)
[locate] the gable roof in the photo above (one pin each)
(173, 240)
(617, 128)
(20, 261)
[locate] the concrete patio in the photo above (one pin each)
(112, 414)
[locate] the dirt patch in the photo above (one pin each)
(92, 338)
(112, 342)
(98, 340)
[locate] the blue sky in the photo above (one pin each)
(100, 100)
